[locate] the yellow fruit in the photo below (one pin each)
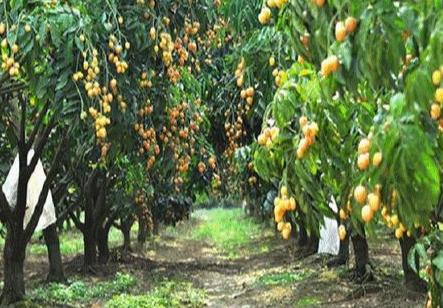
(342, 232)
(366, 213)
(374, 202)
(284, 191)
(250, 91)
(343, 214)
(350, 24)
(279, 212)
(274, 132)
(394, 220)
(265, 15)
(376, 160)
(2, 28)
(303, 121)
(271, 3)
(439, 95)
(363, 161)
(271, 61)
(364, 146)
(436, 77)
(435, 111)
(319, 3)
(280, 226)
(286, 233)
(384, 212)
(15, 48)
(329, 65)
(399, 233)
(360, 194)
(340, 31)
(27, 28)
(261, 139)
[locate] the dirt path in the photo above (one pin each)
(261, 271)
(275, 276)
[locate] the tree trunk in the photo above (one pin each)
(126, 225)
(56, 273)
(103, 245)
(361, 251)
(14, 258)
(303, 236)
(343, 254)
(142, 235)
(412, 279)
(90, 250)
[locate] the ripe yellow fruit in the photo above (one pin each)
(250, 91)
(286, 233)
(436, 77)
(271, 61)
(27, 28)
(364, 146)
(330, 65)
(15, 48)
(280, 226)
(303, 121)
(366, 213)
(350, 24)
(342, 232)
(265, 15)
(374, 202)
(363, 161)
(319, 3)
(343, 214)
(2, 28)
(340, 31)
(262, 139)
(394, 220)
(360, 194)
(435, 111)
(399, 233)
(279, 212)
(439, 95)
(376, 160)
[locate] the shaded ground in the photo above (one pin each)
(221, 259)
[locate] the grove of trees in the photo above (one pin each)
(139, 108)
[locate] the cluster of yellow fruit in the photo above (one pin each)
(234, 131)
(329, 65)
(343, 29)
(364, 157)
(216, 181)
(393, 222)
(282, 205)
(280, 76)
(372, 201)
(248, 95)
(144, 81)
(8, 63)
(437, 77)
(167, 47)
(116, 50)
(192, 28)
(239, 72)
(268, 136)
(310, 131)
(101, 122)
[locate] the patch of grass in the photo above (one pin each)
(307, 301)
(167, 294)
(228, 229)
(272, 279)
(79, 291)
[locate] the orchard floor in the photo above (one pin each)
(220, 259)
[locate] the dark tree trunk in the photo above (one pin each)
(90, 250)
(361, 251)
(303, 236)
(56, 273)
(142, 235)
(126, 225)
(343, 254)
(103, 244)
(412, 279)
(14, 258)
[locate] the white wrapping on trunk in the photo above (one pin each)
(35, 186)
(329, 240)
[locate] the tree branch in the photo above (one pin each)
(38, 124)
(79, 225)
(5, 210)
